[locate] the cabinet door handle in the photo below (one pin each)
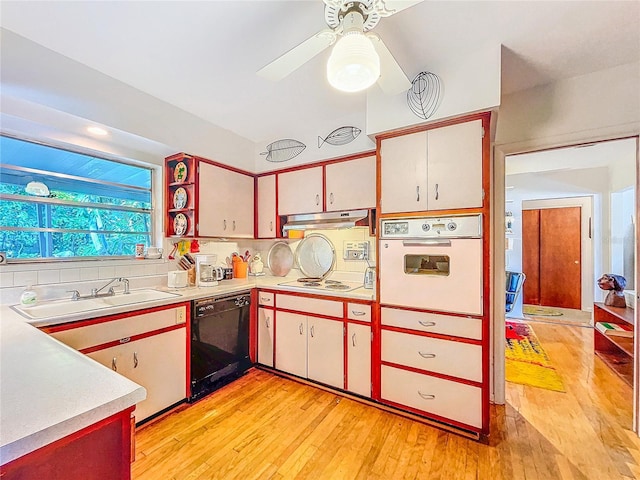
(357, 313)
(311, 330)
(234, 225)
(353, 339)
(331, 198)
(427, 324)
(224, 224)
(265, 300)
(114, 364)
(427, 355)
(135, 359)
(437, 191)
(266, 321)
(426, 396)
(317, 199)
(418, 193)
(300, 328)
(271, 226)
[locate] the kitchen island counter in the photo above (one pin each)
(50, 391)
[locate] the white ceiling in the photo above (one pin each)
(201, 56)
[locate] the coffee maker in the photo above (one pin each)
(206, 270)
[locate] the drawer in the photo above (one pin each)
(100, 333)
(326, 308)
(265, 299)
(358, 311)
(433, 323)
(457, 359)
(452, 400)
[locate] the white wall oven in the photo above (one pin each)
(432, 263)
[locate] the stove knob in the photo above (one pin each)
(451, 226)
(426, 227)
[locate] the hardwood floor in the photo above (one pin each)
(266, 427)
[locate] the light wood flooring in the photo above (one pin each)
(266, 427)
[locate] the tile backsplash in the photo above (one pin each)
(54, 280)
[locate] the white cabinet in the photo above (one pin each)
(155, 358)
(266, 200)
(351, 185)
(300, 191)
(291, 343)
(310, 347)
(359, 359)
(158, 363)
(265, 336)
(225, 203)
(325, 354)
(437, 169)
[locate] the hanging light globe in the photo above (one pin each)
(354, 64)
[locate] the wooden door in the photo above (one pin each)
(557, 280)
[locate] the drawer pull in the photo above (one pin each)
(426, 396)
(224, 224)
(310, 330)
(265, 300)
(427, 324)
(300, 328)
(135, 359)
(427, 355)
(353, 339)
(114, 364)
(357, 313)
(266, 321)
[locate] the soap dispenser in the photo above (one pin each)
(29, 297)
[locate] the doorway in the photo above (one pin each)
(551, 251)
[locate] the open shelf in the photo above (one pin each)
(614, 350)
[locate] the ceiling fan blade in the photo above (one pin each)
(297, 56)
(386, 8)
(392, 79)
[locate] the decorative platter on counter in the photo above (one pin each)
(180, 172)
(180, 198)
(180, 224)
(316, 256)
(280, 259)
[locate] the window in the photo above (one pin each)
(56, 203)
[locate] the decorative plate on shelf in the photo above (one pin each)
(179, 198)
(180, 172)
(180, 224)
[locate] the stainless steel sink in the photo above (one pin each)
(59, 308)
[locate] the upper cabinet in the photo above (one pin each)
(225, 204)
(206, 200)
(351, 185)
(438, 169)
(266, 207)
(300, 191)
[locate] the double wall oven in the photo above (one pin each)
(432, 263)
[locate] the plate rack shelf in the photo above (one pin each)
(180, 196)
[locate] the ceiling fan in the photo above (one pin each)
(359, 58)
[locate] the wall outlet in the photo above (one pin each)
(3, 258)
(356, 251)
(181, 315)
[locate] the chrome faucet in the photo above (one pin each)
(95, 292)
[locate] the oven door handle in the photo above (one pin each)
(440, 242)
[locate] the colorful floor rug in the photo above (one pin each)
(541, 311)
(526, 362)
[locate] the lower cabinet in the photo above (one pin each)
(310, 347)
(265, 336)
(359, 359)
(149, 348)
(157, 362)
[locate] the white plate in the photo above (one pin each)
(179, 198)
(180, 224)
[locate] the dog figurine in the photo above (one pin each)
(615, 284)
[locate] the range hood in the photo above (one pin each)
(328, 220)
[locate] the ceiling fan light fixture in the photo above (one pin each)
(354, 64)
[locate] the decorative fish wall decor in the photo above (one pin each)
(340, 136)
(283, 150)
(425, 94)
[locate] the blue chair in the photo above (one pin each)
(515, 280)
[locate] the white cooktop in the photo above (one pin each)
(326, 285)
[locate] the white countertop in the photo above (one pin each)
(49, 390)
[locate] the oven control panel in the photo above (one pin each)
(462, 226)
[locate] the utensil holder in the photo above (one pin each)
(240, 269)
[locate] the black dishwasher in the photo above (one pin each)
(219, 342)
